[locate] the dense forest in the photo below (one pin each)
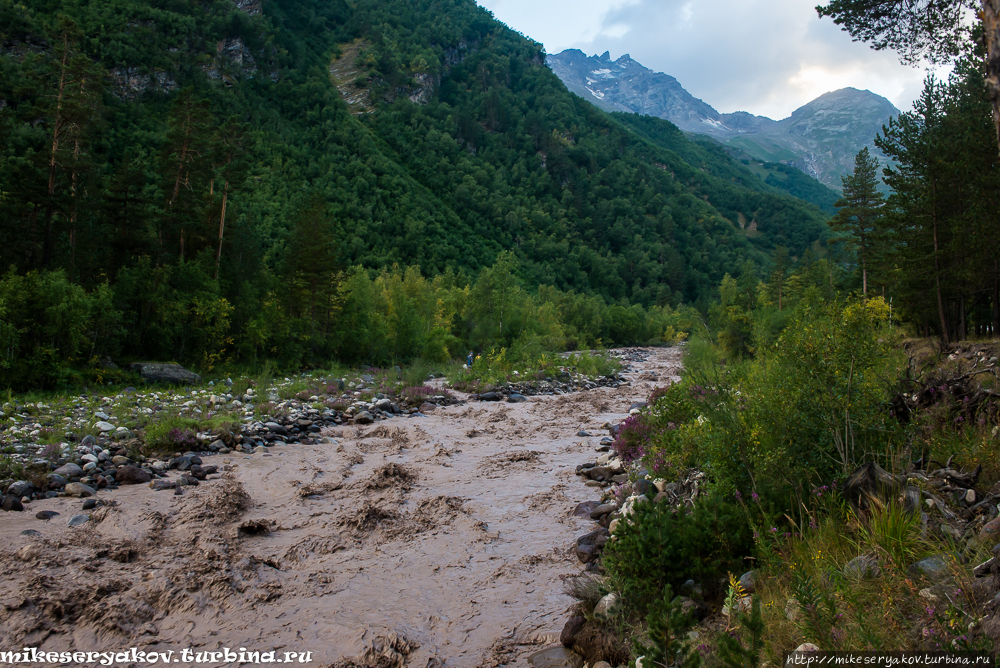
(202, 181)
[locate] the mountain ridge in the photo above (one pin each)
(820, 138)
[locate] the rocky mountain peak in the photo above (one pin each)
(821, 137)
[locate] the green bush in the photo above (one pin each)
(48, 325)
(662, 546)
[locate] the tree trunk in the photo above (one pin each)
(72, 218)
(991, 30)
(937, 269)
(56, 132)
(962, 325)
(996, 306)
(222, 226)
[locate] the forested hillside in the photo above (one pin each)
(189, 174)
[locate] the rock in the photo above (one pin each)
(132, 475)
(749, 581)
(182, 463)
(29, 552)
(78, 520)
(599, 473)
(20, 488)
(991, 531)
(489, 396)
(695, 609)
(613, 525)
(636, 405)
(46, 514)
(69, 471)
(692, 589)
(12, 504)
(198, 472)
(572, 628)
(276, 428)
(516, 398)
(602, 664)
(89, 466)
(216, 445)
(364, 417)
(79, 489)
(384, 405)
(935, 568)
(173, 374)
(607, 605)
(743, 606)
(602, 510)
(104, 426)
(261, 449)
(586, 553)
(55, 481)
(645, 488)
(583, 433)
(30, 532)
(804, 648)
(970, 497)
(793, 610)
(119, 460)
(928, 594)
(584, 509)
(555, 657)
(592, 538)
(160, 485)
(89, 504)
(862, 567)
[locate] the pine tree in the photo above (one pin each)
(184, 161)
(229, 148)
(860, 208)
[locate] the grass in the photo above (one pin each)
(175, 432)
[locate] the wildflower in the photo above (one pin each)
(774, 529)
(738, 495)
(756, 499)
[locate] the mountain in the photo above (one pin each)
(340, 135)
(820, 138)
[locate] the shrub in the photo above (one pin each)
(660, 546)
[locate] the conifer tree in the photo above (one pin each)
(859, 208)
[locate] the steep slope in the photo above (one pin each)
(454, 142)
(820, 138)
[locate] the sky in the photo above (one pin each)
(768, 57)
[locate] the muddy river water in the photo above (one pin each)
(425, 541)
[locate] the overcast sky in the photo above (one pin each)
(768, 57)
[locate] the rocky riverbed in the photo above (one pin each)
(437, 537)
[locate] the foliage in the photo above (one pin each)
(859, 209)
(939, 239)
(744, 647)
(238, 211)
(659, 546)
(666, 625)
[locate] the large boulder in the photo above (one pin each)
(79, 489)
(21, 488)
(70, 470)
(175, 374)
(132, 475)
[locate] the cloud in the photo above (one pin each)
(768, 57)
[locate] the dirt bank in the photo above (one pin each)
(426, 541)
